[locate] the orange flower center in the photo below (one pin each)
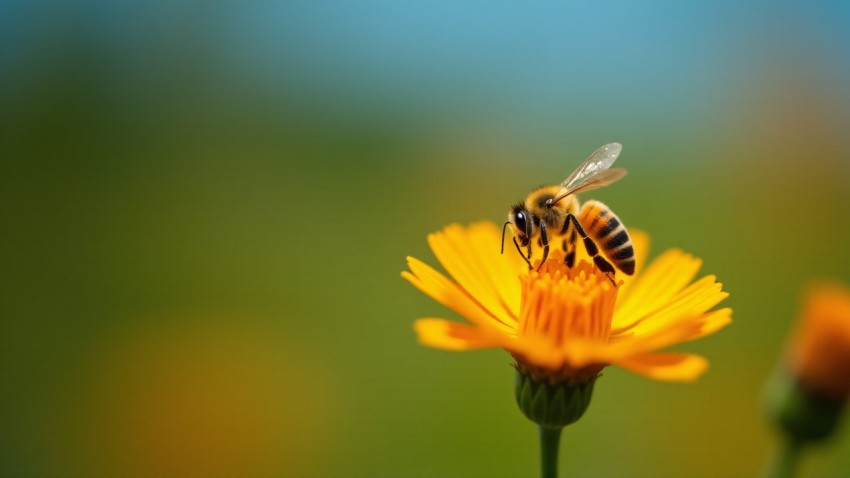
(565, 309)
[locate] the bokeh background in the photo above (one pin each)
(206, 206)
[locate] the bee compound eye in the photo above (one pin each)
(519, 221)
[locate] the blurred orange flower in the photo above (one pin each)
(565, 325)
(819, 355)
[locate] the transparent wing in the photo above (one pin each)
(599, 161)
(599, 180)
(593, 173)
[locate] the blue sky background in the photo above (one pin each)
(526, 64)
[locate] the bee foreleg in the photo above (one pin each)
(544, 239)
(591, 249)
(519, 249)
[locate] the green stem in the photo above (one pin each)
(549, 440)
(786, 460)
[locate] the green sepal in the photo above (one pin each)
(801, 413)
(552, 405)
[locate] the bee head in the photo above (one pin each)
(520, 218)
(523, 225)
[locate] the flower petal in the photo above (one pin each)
(446, 292)
(675, 367)
(683, 329)
(449, 335)
(714, 321)
(655, 286)
(693, 300)
(471, 256)
(503, 270)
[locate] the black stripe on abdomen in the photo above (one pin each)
(624, 253)
(618, 240)
(608, 228)
(628, 266)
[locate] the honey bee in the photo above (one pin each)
(553, 212)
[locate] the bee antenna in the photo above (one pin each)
(504, 228)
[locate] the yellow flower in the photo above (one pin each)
(819, 354)
(565, 325)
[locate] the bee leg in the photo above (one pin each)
(528, 243)
(544, 239)
(592, 250)
(605, 267)
(570, 249)
(523, 255)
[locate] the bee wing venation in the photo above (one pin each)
(594, 172)
(602, 179)
(599, 161)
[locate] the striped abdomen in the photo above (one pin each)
(606, 230)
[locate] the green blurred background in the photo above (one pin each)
(206, 207)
